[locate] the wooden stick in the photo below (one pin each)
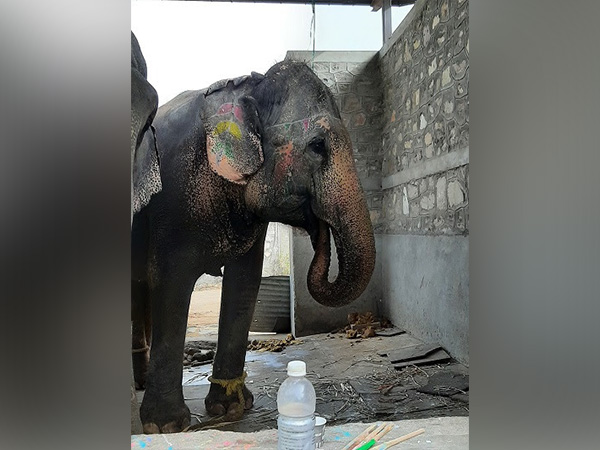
(374, 433)
(389, 427)
(393, 442)
(359, 438)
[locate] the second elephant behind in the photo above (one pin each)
(234, 157)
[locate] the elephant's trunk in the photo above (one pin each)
(355, 244)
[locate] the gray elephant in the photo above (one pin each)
(144, 158)
(234, 157)
(145, 175)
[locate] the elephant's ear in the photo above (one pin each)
(233, 140)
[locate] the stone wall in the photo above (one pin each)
(425, 76)
(425, 175)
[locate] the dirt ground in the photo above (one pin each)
(203, 318)
(204, 307)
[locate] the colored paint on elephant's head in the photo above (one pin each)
(221, 156)
(284, 161)
(230, 108)
(228, 126)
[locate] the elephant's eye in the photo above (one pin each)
(318, 146)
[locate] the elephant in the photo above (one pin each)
(145, 179)
(235, 156)
(144, 158)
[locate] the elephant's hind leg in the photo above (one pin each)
(163, 409)
(140, 332)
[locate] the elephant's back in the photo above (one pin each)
(179, 132)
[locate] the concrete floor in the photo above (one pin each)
(443, 433)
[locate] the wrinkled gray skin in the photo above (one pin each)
(144, 158)
(145, 179)
(233, 158)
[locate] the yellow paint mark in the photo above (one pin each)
(227, 125)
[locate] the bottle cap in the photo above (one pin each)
(296, 368)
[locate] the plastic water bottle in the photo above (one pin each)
(296, 402)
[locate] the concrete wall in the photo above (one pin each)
(407, 111)
(425, 174)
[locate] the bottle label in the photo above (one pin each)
(295, 433)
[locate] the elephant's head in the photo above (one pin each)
(308, 179)
(295, 157)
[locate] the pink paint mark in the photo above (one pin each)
(229, 108)
(239, 115)
(225, 108)
(284, 162)
(305, 123)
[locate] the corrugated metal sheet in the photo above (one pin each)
(272, 311)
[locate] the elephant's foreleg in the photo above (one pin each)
(163, 408)
(140, 331)
(228, 394)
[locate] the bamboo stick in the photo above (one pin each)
(359, 438)
(389, 427)
(374, 433)
(393, 442)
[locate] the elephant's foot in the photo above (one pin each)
(228, 400)
(140, 360)
(167, 414)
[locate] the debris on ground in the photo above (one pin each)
(416, 355)
(198, 353)
(447, 384)
(366, 325)
(272, 345)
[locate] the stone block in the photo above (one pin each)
(462, 14)
(461, 220)
(463, 136)
(321, 68)
(405, 202)
(359, 119)
(462, 110)
(428, 201)
(412, 190)
(432, 65)
(350, 103)
(440, 191)
(426, 35)
(459, 65)
(344, 88)
(356, 68)
(343, 77)
(336, 67)
(456, 194)
(459, 41)
(452, 135)
(461, 87)
(446, 77)
(445, 11)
